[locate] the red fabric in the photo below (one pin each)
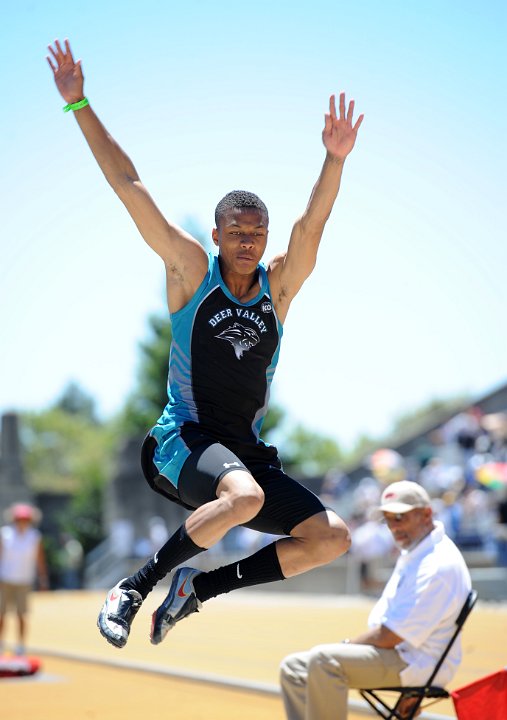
(485, 698)
(18, 665)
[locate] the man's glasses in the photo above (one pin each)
(396, 518)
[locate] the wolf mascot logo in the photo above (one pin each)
(241, 338)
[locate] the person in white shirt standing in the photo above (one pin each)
(409, 626)
(22, 561)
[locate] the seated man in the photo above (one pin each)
(409, 627)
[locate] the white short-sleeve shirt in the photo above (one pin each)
(18, 555)
(421, 602)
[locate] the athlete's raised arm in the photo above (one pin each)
(185, 259)
(289, 270)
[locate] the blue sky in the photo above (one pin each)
(408, 300)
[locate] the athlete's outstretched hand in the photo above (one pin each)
(339, 135)
(67, 73)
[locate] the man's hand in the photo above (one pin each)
(379, 636)
(67, 73)
(339, 135)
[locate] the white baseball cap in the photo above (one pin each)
(403, 496)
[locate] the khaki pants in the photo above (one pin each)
(14, 596)
(315, 683)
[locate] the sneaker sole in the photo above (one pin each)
(157, 641)
(162, 609)
(115, 643)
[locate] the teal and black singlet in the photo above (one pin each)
(222, 362)
(223, 358)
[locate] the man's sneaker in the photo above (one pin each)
(180, 602)
(117, 613)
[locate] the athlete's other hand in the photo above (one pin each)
(339, 135)
(66, 72)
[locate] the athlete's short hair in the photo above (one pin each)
(239, 199)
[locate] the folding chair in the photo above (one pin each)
(390, 712)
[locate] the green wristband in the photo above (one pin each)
(77, 105)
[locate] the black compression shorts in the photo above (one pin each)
(286, 502)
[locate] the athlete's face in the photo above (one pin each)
(241, 237)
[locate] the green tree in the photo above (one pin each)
(75, 401)
(309, 453)
(362, 447)
(69, 453)
(275, 416)
(146, 403)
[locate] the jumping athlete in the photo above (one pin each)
(227, 313)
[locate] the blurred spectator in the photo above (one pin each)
(142, 547)
(501, 530)
(477, 521)
(366, 496)
(22, 561)
(147, 545)
(122, 538)
(495, 425)
(70, 561)
(437, 477)
(448, 510)
(387, 466)
(370, 541)
(244, 540)
(464, 428)
(157, 533)
(334, 487)
(447, 450)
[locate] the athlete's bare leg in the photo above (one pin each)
(239, 499)
(316, 541)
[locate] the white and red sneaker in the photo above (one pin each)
(117, 613)
(180, 602)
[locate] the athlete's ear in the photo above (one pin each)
(214, 235)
